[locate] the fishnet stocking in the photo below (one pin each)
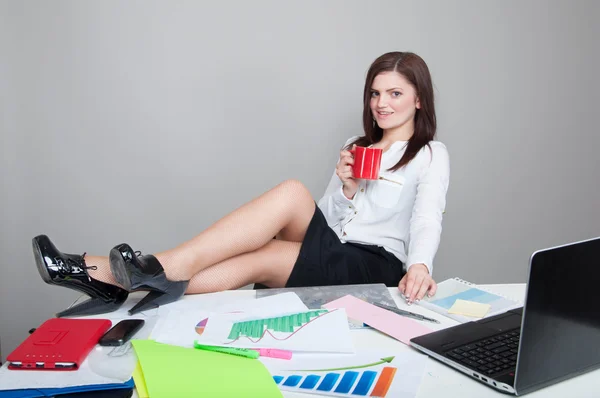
(101, 272)
(239, 249)
(270, 265)
(285, 210)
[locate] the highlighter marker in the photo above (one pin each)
(242, 352)
(273, 353)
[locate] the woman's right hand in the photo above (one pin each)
(345, 174)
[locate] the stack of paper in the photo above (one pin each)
(187, 323)
(324, 360)
(280, 321)
(170, 366)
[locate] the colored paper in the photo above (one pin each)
(394, 325)
(140, 383)
(473, 294)
(172, 371)
(469, 308)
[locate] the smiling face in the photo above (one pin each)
(394, 103)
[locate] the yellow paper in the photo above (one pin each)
(171, 371)
(140, 383)
(469, 308)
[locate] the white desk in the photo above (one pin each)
(439, 380)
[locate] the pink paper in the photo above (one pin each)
(397, 326)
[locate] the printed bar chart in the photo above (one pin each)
(310, 382)
(349, 383)
(365, 383)
(255, 328)
(385, 381)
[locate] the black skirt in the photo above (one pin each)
(325, 260)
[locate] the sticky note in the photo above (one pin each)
(172, 371)
(469, 308)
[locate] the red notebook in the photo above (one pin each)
(58, 344)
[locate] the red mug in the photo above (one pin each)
(366, 162)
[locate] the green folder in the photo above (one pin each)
(172, 371)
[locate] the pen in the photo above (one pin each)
(406, 313)
(242, 352)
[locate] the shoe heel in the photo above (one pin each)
(155, 299)
(92, 306)
(119, 268)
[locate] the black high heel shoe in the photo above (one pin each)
(136, 272)
(69, 270)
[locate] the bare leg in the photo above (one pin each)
(285, 210)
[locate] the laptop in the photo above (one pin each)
(553, 337)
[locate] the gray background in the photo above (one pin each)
(144, 122)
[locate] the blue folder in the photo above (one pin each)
(51, 392)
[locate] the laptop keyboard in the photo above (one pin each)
(490, 356)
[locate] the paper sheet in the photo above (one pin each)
(182, 327)
(373, 373)
(397, 326)
(469, 308)
(171, 371)
(312, 331)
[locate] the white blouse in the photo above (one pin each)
(401, 211)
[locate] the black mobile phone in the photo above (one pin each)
(121, 332)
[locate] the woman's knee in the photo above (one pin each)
(297, 190)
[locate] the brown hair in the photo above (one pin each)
(415, 70)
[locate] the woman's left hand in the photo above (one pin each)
(416, 283)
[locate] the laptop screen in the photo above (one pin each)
(561, 327)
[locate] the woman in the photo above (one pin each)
(381, 231)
